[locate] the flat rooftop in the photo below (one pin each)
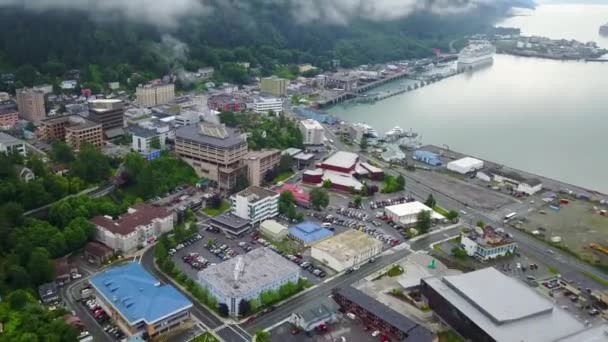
(412, 208)
(342, 159)
(232, 221)
(347, 245)
(138, 296)
(260, 267)
(256, 194)
(504, 307)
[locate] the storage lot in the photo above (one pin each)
(101, 317)
(576, 223)
(345, 329)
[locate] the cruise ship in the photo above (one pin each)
(477, 52)
(604, 30)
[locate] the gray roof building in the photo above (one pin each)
(500, 308)
(314, 314)
(245, 277)
(214, 135)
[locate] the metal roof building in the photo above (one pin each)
(407, 213)
(138, 301)
(309, 232)
(486, 305)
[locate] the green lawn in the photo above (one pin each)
(553, 270)
(214, 212)
(282, 176)
(449, 336)
(205, 337)
(441, 210)
(595, 278)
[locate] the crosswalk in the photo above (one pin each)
(218, 328)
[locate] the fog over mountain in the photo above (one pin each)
(168, 14)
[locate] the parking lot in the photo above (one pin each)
(213, 247)
(101, 317)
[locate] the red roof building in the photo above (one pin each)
(302, 198)
(140, 226)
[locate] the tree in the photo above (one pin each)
(481, 224)
(91, 165)
(262, 336)
(319, 198)
(363, 143)
(223, 310)
(459, 253)
(401, 182)
(160, 252)
(286, 201)
(452, 215)
(430, 201)
(17, 277)
(40, 266)
(358, 200)
(17, 299)
(424, 221)
(61, 152)
(327, 184)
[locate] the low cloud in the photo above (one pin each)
(160, 13)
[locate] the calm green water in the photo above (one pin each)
(543, 116)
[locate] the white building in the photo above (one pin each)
(312, 131)
(143, 137)
(255, 204)
(68, 84)
(465, 165)
(518, 182)
(407, 213)
(10, 144)
(246, 276)
(487, 243)
(273, 230)
(262, 105)
(346, 250)
(154, 94)
(141, 225)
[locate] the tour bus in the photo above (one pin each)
(509, 217)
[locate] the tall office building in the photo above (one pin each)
(214, 151)
(151, 95)
(110, 114)
(75, 130)
(274, 85)
(30, 103)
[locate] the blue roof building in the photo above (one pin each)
(427, 157)
(138, 301)
(309, 232)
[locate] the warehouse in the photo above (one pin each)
(500, 312)
(346, 250)
(427, 157)
(245, 277)
(375, 173)
(341, 162)
(465, 165)
(308, 232)
(407, 213)
(273, 230)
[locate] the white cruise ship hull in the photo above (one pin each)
(475, 60)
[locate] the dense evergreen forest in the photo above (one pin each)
(42, 46)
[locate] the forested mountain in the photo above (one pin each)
(264, 33)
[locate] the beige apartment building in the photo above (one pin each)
(151, 95)
(274, 85)
(214, 151)
(75, 130)
(259, 163)
(30, 103)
